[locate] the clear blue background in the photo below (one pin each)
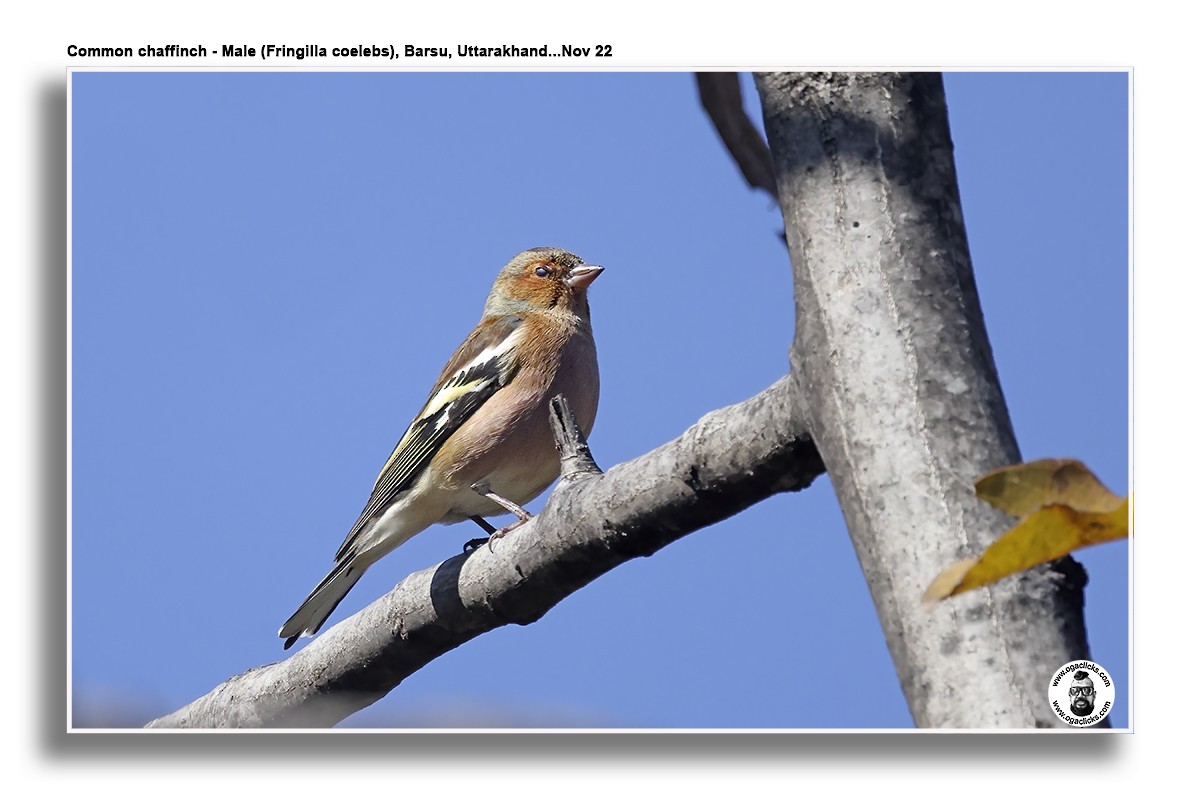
(269, 269)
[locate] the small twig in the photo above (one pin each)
(577, 461)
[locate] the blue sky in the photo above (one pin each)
(269, 269)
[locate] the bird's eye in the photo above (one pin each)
(542, 272)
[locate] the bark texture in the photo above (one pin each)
(896, 383)
(592, 522)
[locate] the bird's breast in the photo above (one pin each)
(508, 443)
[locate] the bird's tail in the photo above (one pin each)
(317, 607)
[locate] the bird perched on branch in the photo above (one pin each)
(482, 444)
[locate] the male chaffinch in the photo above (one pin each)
(482, 444)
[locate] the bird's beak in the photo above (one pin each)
(582, 276)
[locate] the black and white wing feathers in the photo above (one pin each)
(481, 366)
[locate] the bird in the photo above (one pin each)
(482, 443)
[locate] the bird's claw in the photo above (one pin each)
(505, 531)
(474, 544)
(491, 540)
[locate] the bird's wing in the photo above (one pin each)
(481, 365)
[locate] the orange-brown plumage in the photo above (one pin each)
(484, 432)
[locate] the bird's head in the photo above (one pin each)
(542, 279)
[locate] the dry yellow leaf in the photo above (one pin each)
(947, 583)
(1022, 489)
(1062, 507)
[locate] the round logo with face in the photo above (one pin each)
(1081, 693)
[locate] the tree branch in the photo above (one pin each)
(592, 522)
(721, 96)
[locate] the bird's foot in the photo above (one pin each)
(508, 505)
(507, 529)
(475, 544)
(521, 514)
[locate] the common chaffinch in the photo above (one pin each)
(482, 444)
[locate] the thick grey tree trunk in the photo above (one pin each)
(896, 384)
